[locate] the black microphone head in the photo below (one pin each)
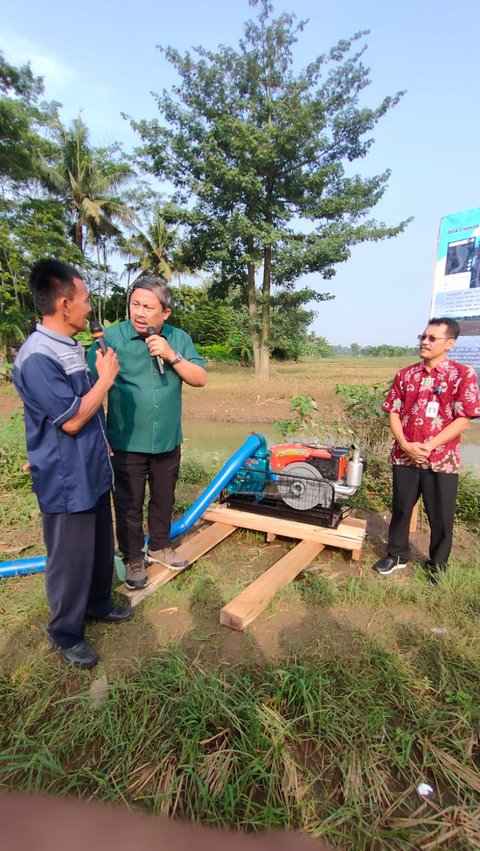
(150, 331)
(97, 334)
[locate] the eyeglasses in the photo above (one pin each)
(431, 338)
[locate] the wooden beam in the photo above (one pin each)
(346, 536)
(245, 607)
(414, 518)
(195, 547)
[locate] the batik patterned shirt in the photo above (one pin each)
(454, 387)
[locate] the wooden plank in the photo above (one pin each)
(245, 607)
(355, 522)
(414, 518)
(195, 547)
(345, 536)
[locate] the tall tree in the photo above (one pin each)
(20, 143)
(264, 152)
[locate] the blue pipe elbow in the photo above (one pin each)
(252, 443)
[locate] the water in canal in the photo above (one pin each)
(225, 438)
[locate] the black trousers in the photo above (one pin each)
(132, 471)
(79, 571)
(439, 493)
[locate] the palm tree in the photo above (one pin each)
(152, 252)
(86, 180)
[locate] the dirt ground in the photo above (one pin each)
(233, 394)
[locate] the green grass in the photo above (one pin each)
(334, 748)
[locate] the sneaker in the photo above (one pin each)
(136, 576)
(168, 557)
(389, 564)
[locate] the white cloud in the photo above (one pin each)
(58, 75)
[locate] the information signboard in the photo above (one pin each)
(456, 281)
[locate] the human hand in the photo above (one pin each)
(158, 347)
(418, 453)
(107, 366)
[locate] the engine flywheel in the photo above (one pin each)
(302, 487)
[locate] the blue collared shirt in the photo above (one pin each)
(69, 472)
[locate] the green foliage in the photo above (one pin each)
(363, 413)
(468, 499)
(21, 120)
(216, 352)
(305, 421)
(195, 470)
(317, 347)
(385, 350)
(13, 455)
(375, 493)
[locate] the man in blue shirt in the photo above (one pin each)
(69, 459)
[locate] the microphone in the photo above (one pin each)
(160, 365)
(97, 334)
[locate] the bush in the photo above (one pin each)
(362, 407)
(217, 351)
(468, 499)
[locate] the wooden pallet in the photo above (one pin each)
(349, 534)
(245, 607)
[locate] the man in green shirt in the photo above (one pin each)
(144, 426)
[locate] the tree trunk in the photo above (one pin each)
(79, 236)
(264, 360)
(253, 310)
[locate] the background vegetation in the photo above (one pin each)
(258, 158)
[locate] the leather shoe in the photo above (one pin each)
(82, 655)
(119, 614)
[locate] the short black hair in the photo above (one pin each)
(453, 328)
(49, 280)
(157, 286)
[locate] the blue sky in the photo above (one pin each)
(101, 58)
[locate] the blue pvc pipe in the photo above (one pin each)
(21, 567)
(252, 443)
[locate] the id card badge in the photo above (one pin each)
(432, 409)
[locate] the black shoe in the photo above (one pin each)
(389, 564)
(119, 614)
(82, 655)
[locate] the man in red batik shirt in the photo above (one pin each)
(429, 405)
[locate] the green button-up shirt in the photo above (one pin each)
(145, 408)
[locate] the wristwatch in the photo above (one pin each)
(178, 357)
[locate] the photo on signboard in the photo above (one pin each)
(475, 268)
(459, 256)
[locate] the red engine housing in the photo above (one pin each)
(330, 462)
